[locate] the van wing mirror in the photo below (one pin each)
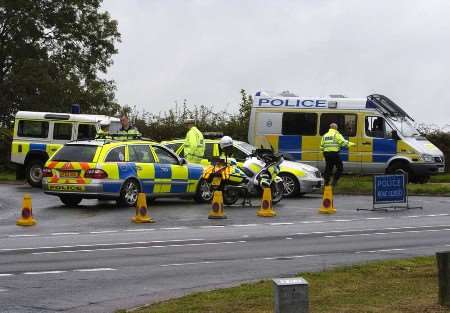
(395, 135)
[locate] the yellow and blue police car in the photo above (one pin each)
(298, 178)
(112, 169)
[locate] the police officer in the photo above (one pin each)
(127, 131)
(194, 144)
(331, 144)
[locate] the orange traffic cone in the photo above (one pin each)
(141, 215)
(266, 209)
(217, 206)
(26, 217)
(327, 206)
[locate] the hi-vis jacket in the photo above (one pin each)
(333, 141)
(194, 146)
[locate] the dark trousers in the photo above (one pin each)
(332, 159)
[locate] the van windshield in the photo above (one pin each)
(75, 153)
(405, 127)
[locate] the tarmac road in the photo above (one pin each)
(93, 259)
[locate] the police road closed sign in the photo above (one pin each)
(389, 189)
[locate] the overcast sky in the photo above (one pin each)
(206, 51)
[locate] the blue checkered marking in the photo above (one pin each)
(147, 186)
(38, 146)
(383, 149)
(291, 145)
(113, 187)
(163, 171)
(195, 172)
(178, 186)
(126, 170)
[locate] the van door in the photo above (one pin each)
(267, 129)
(377, 143)
(348, 127)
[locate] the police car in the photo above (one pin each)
(111, 169)
(298, 178)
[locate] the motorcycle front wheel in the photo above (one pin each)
(277, 191)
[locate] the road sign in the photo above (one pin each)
(389, 189)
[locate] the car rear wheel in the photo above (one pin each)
(129, 193)
(70, 201)
(291, 185)
(204, 193)
(34, 172)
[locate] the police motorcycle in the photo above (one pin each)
(259, 171)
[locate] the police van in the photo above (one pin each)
(384, 134)
(38, 135)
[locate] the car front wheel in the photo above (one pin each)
(204, 193)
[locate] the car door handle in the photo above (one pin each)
(139, 168)
(366, 143)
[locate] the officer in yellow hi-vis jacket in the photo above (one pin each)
(194, 145)
(331, 144)
(127, 131)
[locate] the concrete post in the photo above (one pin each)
(291, 295)
(443, 263)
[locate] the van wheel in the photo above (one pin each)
(129, 193)
(291, 185)
(33, 172)
(398, 168)
(70, 201)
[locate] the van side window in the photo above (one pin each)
(36, 129)
(377, 127)
(346, 123)
(86, 132)
(116, 155)
(62, 131)
(299, 123)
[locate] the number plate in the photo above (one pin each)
(216, 181)
(441, 170)
(69, 174)
(65, 188)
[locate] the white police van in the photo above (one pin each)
(385, 137)
(38, 135)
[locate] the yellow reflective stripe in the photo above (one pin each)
(293, 171)
(111, 169)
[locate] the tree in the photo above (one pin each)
(51, 53)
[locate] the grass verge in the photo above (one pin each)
(396, 286)
(7, 175)
(438, 185)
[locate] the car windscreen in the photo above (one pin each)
(75, 153)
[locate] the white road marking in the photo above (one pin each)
(375, 218)
(61, 234)
(213, 226)
(139, 247)
(95, 269)
(291, 257)
(173, 228)
(103, 232)
(387, 233)
(43, 273)
(3, 290)
(312, 222)
(6, 275)
(279, 224)
(342, 220)
(244, 225)
(288, 238)
(24, 235)
(189, 263)
(376, 251)
(140, 229)
(101, 244)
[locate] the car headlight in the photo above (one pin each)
(427, 158)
